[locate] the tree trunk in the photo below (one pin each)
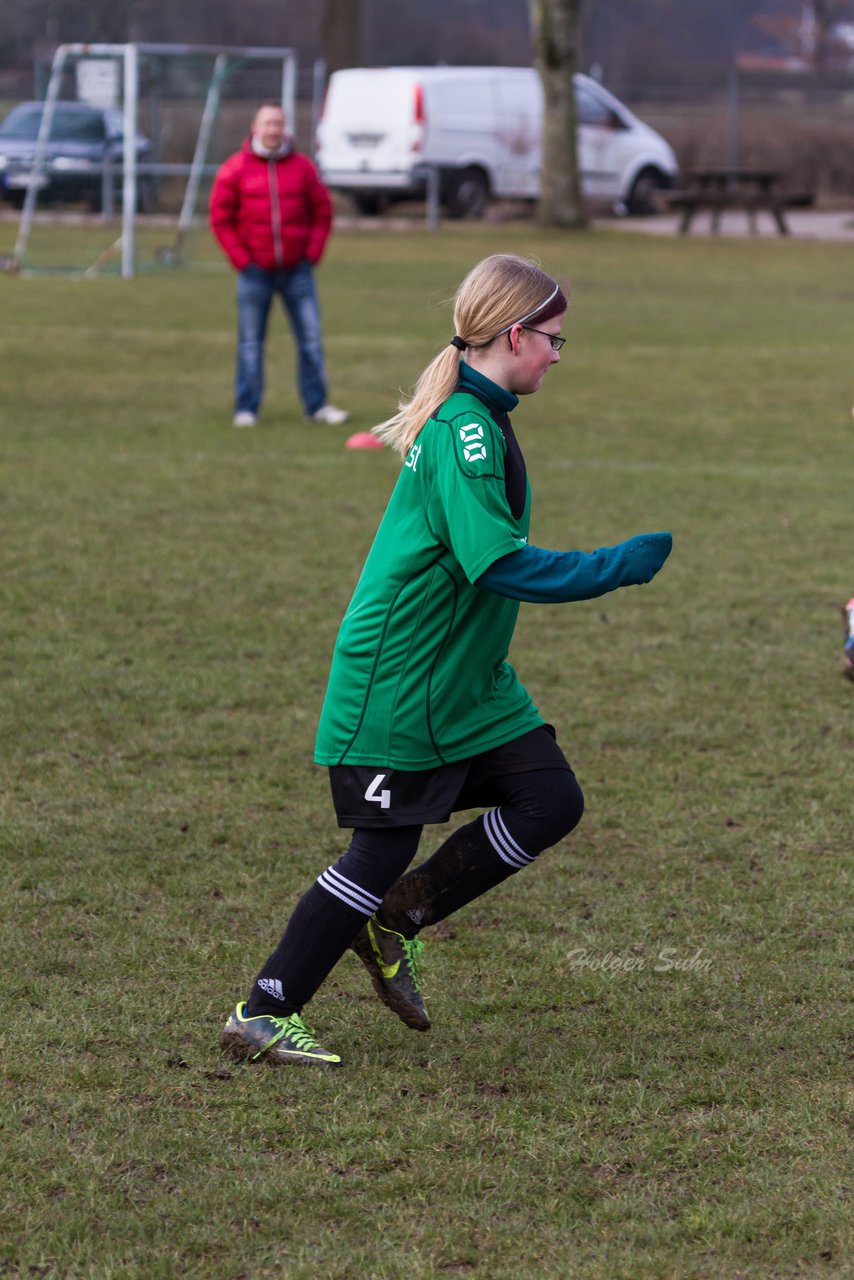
(341, 34)
(825, 14)
(554, 34)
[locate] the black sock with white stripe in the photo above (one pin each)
(473, 860)
(324, 923)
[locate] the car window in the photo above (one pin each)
(66, 126)
(23, 122)
(590, 110)
(78, 126)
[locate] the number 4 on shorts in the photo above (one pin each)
(382, 798)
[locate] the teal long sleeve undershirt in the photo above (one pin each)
(558, 577)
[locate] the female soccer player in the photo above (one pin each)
(423, 714)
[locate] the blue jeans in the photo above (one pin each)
(255, 290)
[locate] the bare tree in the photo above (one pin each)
(341, 33)
(555, 26)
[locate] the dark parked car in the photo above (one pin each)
(81, 139)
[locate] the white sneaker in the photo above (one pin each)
(330, 415)
(245, 419)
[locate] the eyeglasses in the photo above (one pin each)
(554, 341)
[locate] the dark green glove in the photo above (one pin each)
(643, 556)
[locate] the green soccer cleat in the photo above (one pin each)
(280, 1040)
(392, 961)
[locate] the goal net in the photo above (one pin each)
(112, 171)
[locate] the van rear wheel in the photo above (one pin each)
(467, 193)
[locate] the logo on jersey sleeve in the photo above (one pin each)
(477, 445)
(474, 444)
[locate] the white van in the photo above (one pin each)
(384, 128)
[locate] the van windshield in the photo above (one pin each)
(591, 111)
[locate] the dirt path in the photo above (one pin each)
(804, 224)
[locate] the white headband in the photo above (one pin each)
(555, 291)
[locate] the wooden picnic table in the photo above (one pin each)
(754, 190)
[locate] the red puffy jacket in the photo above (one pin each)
(273, 213)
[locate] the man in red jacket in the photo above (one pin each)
(272, 216)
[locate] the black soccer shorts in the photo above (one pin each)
(372, 796)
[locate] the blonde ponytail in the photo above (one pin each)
(499, 292)
(432, 389)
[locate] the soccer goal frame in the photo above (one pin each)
(226, 60)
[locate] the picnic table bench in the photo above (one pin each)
(753, 190)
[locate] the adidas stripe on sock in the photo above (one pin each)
(502, 841)
(348, 892)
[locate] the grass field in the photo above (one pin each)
(640, 1058)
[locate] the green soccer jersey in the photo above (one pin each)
(419, 674)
